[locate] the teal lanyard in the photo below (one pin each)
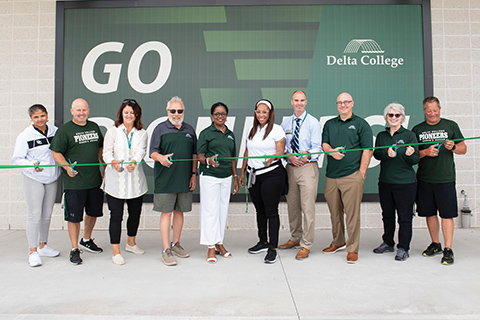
(129, 140)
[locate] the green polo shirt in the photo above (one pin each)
(352, 133)
(440, 169)
(212, 141)
(166, 139)
(396, 170)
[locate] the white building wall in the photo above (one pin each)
(27, 63)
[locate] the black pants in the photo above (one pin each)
(265, 195)
(399, 197)
(116, 216)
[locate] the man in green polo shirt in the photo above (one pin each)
(174, 181)
(346, 173)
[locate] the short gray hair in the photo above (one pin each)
(396, 107)
(175, 99)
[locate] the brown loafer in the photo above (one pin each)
(302, 253)
(352, 257)
(289, 244)
(333, 248)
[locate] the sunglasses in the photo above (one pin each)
(173, 111)
(396, 115)
(130, 101)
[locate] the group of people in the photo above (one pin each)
(79, 147)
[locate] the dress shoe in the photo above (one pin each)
(352, 257)
(289, 244)
(333, 248)
(302, 253)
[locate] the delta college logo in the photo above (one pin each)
(373, 55)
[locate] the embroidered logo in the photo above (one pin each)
(352, 127)
(230, 137)
(400, 141)
(188, 136)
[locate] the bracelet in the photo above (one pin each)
(454, 147)
(195, 173)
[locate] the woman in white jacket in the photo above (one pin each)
(39, 184)
(124, 147)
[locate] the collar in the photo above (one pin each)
(171, 126)
(39, 131)
(302, 116)
(349, 119)
(400, 130)
(122, 126)
(213, 128)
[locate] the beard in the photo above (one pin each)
(176, 122)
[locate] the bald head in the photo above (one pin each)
(80, 111)
(345, 105)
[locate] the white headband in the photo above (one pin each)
(265, 102)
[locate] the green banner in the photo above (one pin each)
(240, 54)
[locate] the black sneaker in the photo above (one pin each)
(271, 256)
(447, 258)
(383, 248)
(90, 246)
(433, 249)
(75, 257)
(259, 247)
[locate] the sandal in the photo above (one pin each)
(220, 250)
(211, 259)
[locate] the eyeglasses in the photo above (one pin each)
(130, 101)
(261, 112)
(341, 103)
(173, 111)
(396, 115)
(220, 114)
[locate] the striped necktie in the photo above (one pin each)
(294, 143)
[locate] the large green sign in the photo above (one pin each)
(238, 54)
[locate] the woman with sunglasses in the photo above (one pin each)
(39, 184)
(397, 182)
(266, 177)
(214, 143)
(124, 147)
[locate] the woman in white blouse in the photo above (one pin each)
(124, 147)
(266, 177)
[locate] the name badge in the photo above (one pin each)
(288, 132)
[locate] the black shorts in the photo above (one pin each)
(437, 196)
(76, 200)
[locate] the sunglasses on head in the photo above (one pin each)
(396, 115)
(173, 111)
(130, 101)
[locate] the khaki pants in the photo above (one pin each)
(301, 197)
(345, 195)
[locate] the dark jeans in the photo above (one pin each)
(116, 216)
(399, 197)
(265, 195)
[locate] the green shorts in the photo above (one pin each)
(167, 202)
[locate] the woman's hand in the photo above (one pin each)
(116, 166)
(409, 151)
(391, 153)
(242, 179)
(37, 169)
(235, 185)
(132, 165)
(211, 161)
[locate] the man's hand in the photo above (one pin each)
(431, 151)
(336, 155)
(193, 182)
(164, 160)
(71, 172)
(449, 144)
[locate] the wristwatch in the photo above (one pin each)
(195, 173)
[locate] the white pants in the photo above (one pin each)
(214, 200)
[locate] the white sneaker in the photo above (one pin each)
(34, 259)
(118, 259)
(48, 252)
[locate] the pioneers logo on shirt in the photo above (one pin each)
(86, 137)
(188, 136)
(352, 127)
(400, 141)
(434, 135)
(230, 137)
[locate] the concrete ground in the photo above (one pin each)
(242, 287)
